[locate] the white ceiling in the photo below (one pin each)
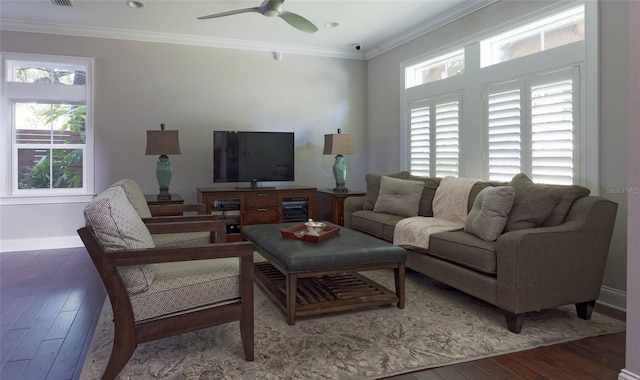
(376, 25)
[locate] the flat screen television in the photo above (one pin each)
(253, 157)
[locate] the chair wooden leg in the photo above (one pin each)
(246, 334)
(584, 309)
(123, 348)
(514, 322)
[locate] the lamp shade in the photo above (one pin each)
(339, 143)
(162, 142)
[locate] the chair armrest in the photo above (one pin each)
(178, 225)
(173, 254)
(545, 267)
(217, 228)
(178, 219)
(351, 205)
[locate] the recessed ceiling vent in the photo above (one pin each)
(62, 3)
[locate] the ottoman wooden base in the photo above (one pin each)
(326, 291)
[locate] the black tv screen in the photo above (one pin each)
(253, 156)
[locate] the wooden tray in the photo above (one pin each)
(327, 232)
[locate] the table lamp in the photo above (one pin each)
(339, 144)
(163, 143)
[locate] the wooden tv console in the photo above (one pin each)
(241, 207)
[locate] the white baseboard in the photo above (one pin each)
(613, 298)
(626, 375)
(59, 242)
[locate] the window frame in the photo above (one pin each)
(473, 156)
(18, 92)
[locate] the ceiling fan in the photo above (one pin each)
(272, 8)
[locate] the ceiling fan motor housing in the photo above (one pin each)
(273, 8)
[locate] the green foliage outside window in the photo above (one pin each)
(65, 170)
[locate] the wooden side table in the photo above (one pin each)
(152, 200)
(330, 205)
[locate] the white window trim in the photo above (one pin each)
(7, 194)
(589, 168)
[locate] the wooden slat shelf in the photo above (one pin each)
(324, 294)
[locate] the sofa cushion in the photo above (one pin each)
(135, 196)
(464, 249)
(428, 192)
(373, 187)
(532, 205)
(567, 193)
(489, 213)
(117, 226)
(378, 224)
(399, 196)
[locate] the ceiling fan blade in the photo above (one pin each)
(230, 13)
(298, 22)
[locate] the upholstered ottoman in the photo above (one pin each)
(307, 278)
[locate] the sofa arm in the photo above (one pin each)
(546, 267)
(351, 205)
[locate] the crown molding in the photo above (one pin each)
(445, 18)
(172, 38)
(454, 14)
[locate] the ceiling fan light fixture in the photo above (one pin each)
(271, 13)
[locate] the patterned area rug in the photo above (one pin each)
(440, 326)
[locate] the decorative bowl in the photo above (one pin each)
(314, 228)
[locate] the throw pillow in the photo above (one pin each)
(490, 211)
(399, 196)
(117, 226)
(135, 196)
(373, 188)
(532, 205)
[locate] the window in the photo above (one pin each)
(532, 115)
(531, 127)
(48, 129)
(557, 30)
(441, 67)
(434, 136)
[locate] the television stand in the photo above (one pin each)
(254, 185)
(240, 207)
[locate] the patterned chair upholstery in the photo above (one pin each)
(160, 292)
(136, 198)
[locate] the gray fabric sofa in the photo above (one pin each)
(558, 262)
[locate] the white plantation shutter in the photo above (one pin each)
(531, 127)
(447, 141)
(553, 106)
(434, 133)
(504, 131)
(420, 138)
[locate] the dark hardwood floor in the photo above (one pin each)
(50, 302)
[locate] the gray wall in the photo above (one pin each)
(195, 90)
(383, 110)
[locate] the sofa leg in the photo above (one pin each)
(584, 309)
(514, 322)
